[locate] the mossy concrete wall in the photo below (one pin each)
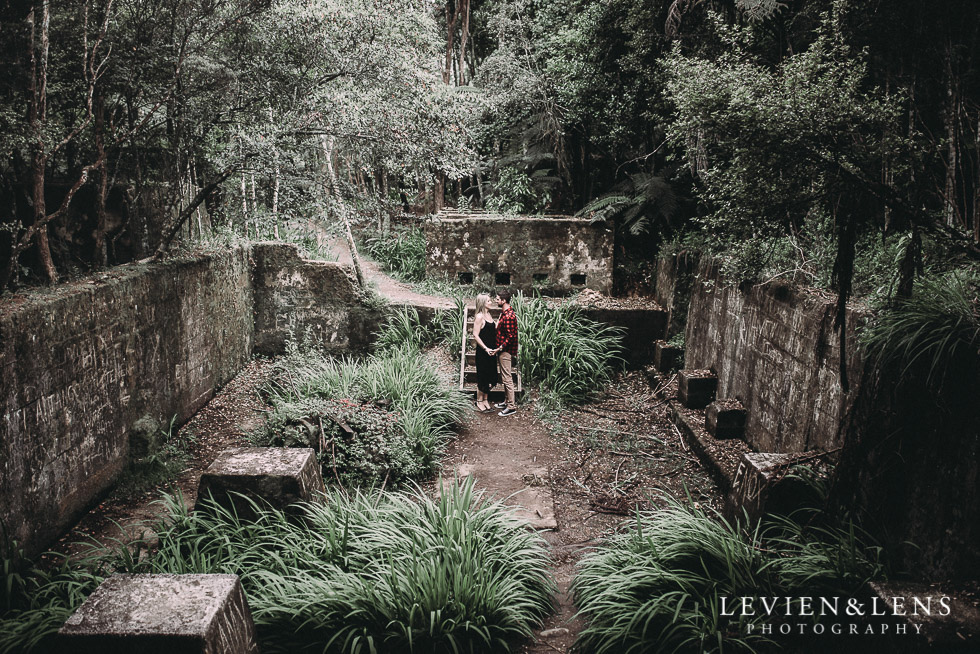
(296, 297)
(774, 348)
(82, 363)
(537, 252)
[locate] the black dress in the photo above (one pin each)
(486, 365)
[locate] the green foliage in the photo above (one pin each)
(354, 575)
(397, 411)
(657, 587)
(562, 351)
(403, 328)
(401, 253)
(936, 331)
(161, 462)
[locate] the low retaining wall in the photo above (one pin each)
(775, 349)
(82, 363)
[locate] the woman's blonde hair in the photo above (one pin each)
(482, 300)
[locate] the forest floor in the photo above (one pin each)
(591, 466)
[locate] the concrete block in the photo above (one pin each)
(696, 388)
(162, 614)
(762, 486)
(725, 419)
(667, 357)
(280, 476)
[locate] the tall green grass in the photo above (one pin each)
(400, 252)
(403, 327)
(658, 586)
(937, 330)
(564, 353)
(304, 391)
(358, 574)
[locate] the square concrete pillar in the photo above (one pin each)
(666, 357)
(162, 614)
(696, 388)
(279, 476)
(725, 419)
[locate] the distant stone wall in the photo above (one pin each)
(553, 254)
(774, 348)
(84, 361)
(295, 296)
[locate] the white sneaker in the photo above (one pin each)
(507, 412)
(501, 405)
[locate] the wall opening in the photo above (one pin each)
(464, 277)
(578, 279)
(501, 279)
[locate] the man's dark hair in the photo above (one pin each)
(505, 296)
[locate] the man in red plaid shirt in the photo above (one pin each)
(506, 351)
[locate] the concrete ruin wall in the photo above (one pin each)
(775, 349)
(296, 297)
(83, 362)
(551, 254)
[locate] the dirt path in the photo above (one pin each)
(395, 291)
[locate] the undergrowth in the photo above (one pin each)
(358, 574)
(562, 352)
(658, 586)
(380, 420)
(401, 253)
(938, 328)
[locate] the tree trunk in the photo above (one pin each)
(464, 33)
(101, 256)
(327, 145)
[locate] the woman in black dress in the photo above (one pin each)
(485, 332)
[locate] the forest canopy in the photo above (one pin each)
(833, 142)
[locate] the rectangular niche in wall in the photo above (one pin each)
(465, 277)
(578, 279)
(540, 278)
(501, 279)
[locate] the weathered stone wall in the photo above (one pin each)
(299, 296)
(83, 362)
(551, 248)
(775, 349)
(675, 274)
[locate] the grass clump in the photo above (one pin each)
(401, 253)
(403, 328)
(658, 586)
(564, 353)
(357, 574)
(937, 330)
(381, 420)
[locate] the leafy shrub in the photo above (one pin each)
(398, 411)
(355, 575)
(401, 253)
(658, 586)
(565, 353)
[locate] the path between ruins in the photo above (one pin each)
(574, 480)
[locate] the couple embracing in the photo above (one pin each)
(496, 349)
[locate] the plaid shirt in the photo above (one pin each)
(507, 331)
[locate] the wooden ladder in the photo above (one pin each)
(467, 359)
